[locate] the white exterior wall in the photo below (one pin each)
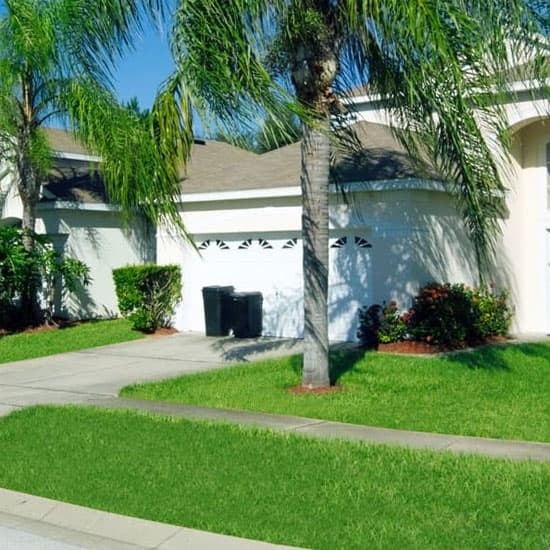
(522, 263)
(10, 204)
(93, 234)
(89, 232)
(395, 241)
(526, 232)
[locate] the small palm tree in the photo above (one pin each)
(440, 67)
(56, 58)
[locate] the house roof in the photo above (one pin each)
(63, 141)
(216, 167)
(374, 155)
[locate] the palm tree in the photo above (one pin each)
(270, 134)
(56, 60)
(440, 66)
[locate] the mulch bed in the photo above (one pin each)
(424, 348)
(60, 324)
(57, 325)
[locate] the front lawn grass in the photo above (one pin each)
(279, 488)
(16, 347)
(496, 391)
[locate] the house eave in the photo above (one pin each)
(295, 191)
(76, 156)
(74, 205)
(513, 88)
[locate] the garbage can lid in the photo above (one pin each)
(246, 296)
(218, 288)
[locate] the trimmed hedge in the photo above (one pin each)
(148, 294)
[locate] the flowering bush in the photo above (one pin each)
(381, 324)
(492, 313)
(443, 314)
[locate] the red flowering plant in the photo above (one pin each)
(448, 315)
(456, 314)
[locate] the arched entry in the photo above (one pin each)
(527, 228)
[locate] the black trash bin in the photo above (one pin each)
(247, 314)
(217, 309)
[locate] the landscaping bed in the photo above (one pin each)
(278, 488)
(415, 347)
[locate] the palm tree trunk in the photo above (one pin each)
(28, 222)
(314, 182)
(29, 298)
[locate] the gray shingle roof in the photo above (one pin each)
(217, 167)
(64, 141)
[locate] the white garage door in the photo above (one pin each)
(272, 265)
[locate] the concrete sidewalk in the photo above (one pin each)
(326, 429)
(90, 376)
(30, 522)
(95, 376)
(81, 376)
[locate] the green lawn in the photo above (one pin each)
(86, 335)
(284, 489)
(497, 391)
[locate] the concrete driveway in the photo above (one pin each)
(89, 375)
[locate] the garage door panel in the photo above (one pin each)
(273, 266)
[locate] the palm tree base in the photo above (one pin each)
(315, 389)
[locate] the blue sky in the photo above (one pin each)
(142, 71)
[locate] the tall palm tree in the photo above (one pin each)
(440, 66)
(56, 60)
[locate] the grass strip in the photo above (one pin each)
(497, 391)
(17, 347)
(283, 489)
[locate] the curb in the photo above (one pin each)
(104, 530)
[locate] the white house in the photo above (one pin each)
(74, 212)
(394, 227)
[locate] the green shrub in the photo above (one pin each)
(54, 267)
(16, 265)
(36, 272)
(453, 314)
(493, 313)
(381, 324)
(148, 294)
(443, 314)
(370, 319)
(393, 327)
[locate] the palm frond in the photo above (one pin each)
(443, 72)
(140, 159)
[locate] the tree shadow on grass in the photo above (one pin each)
(244, 350)
(340, 362)
(498, 357)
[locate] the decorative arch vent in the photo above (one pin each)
(265, 244)
(245, 244)
(362, 243)
(248, 243)
(339, 243)
(218, 242)
(222, 244)
(291, 243)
